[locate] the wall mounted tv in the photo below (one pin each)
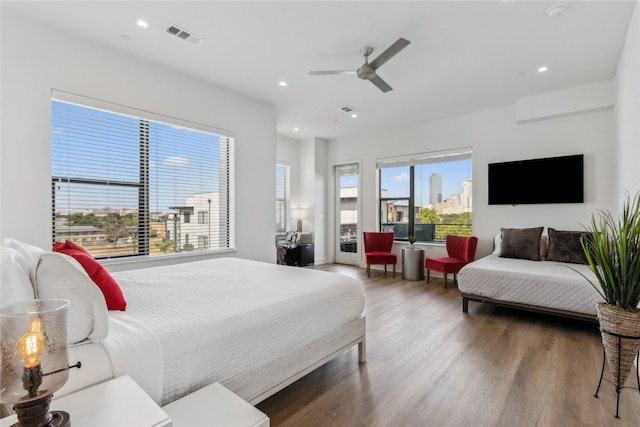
(537, 181)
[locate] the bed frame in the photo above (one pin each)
(528, 307)
(261, 382)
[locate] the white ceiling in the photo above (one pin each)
(464, 55)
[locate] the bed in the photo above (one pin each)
(252, 326)
(543, 286)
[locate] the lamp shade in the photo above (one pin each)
(34, 346)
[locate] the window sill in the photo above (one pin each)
(135, 262)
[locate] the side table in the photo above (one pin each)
(117, 402)
(412, 263)
(215, 406)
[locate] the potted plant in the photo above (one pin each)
(612, 250)
(412, 239)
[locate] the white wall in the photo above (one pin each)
(36, 60)
(627, 109)
(496, 136)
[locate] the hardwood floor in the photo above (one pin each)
(428, 364)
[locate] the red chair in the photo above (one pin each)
(377, 250)
(461, 250)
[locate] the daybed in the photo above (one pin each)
(532, 271)
(252, 326)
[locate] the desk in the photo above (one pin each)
(412, 263)
(301, 255)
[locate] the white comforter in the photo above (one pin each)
(191, 324)
(541, 283)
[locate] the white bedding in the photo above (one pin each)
(192, 324)
(540, 283)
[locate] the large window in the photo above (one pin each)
(127, 184)
(426, 195)
(282, 198)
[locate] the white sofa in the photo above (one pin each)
(533, 271)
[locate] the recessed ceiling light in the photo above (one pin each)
(296, 129)
(142, 24)
(283, 83)
(354, 115)
(543, 69)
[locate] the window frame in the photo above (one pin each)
(225, 164)
(413, 160)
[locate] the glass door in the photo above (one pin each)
(348, 241)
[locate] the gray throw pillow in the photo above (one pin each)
(523, 243)
(564, 246)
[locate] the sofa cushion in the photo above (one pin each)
(544, 245)
(523, 243)
(564, 246)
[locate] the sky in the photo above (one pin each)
(396, 180)
(92, 144)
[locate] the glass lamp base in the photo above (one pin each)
(36, 414)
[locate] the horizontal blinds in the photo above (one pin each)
(463, 153)
(127, 185)
(282, 198)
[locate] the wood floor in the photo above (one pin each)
(428, 364)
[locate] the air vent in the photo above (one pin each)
(346, 109)
(184, 34)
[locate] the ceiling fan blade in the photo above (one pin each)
(324, 73)
(390, 52)
(381, 84)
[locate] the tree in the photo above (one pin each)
(115, 227)
(428, 216)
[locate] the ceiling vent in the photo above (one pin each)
(346, 109)
(184, 34)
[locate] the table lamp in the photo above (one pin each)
(34, 359)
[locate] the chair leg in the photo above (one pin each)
(368, 270)
(385, 269)
(455, 278)
(428, 275)
(394, 270)
(445, 280)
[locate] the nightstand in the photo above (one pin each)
(214, 406)
(117, 402)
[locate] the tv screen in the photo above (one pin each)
(537, 181)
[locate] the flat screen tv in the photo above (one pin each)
(537, 181)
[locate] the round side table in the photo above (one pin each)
(412, 263)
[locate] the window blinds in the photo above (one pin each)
(282, 198)
(127, 184)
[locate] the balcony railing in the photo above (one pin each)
(428, 232)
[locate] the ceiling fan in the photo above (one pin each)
(367, 71)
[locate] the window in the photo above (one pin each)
(427, 195)
(282, 198)
(126, 183)
(203, 217)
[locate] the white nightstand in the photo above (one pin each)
(214, 406)
(117, 402)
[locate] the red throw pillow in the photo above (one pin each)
(101, 277)
(70, 245)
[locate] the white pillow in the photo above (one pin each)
(15, 282)
(30, 254)
(60, 276)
